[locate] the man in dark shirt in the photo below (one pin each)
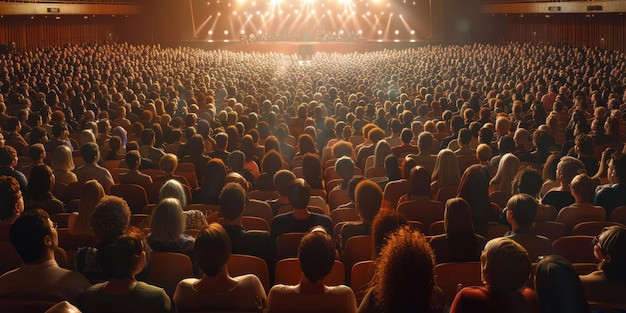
(566, 170)
(299, 220)
(368, 198)
(220, 152)
(248, 242)
(611, 197)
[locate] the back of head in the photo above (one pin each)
(7, 155)
(567, 168)
(232, 201)
(168, 163)
(282, 180)
(110, 217)
(465, 136)
(612, 242)
(316, 254)
(27, 235)
(119, 257)
(584, 187)
(133, 159)
(342, 148)
(11, 196)
(458, 217)
(523, 208)
(89, 152)
(212, 249)
(344, 167)
(167, 221)
(299, 193)
(505, 265)
(368, 198)
(528, 181)
(619, 163)
(173, 189)
(419, 182)
(558, 285)
(404, 276)
(385, 223)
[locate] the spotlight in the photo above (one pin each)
(360, 32)
(397, 32)
(225, 32)
(380, 32)
(243, 32)
(210, 32)
(412, 32)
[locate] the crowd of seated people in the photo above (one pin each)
(265, 147)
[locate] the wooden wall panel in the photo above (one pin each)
(601, 30)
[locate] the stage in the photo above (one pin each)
(303, 48)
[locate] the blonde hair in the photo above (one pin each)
(446, 172)
(505, 265)
(167, 221)
(62, 159)
(90, 196)
(507, 168)
(381, 151)
(168, 163)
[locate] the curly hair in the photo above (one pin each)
(10, 195)
(404, 280)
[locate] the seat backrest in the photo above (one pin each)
(298, 171)
(12, 305)
(445, 193)
(110, 164)
(189, 176)
(115, 173)
(288, 272)
(337, 197)
(552, 230)
(287, 245)
(449, 275)
(577, 249)
(592, 228)
(425, 211)
(263, 195)
(618, 215)
(61, 219)
(254, 223)
(373, 172)
(436, 228)
(393, 191)
(358, 248)
(369, 162)
(496, 230)
(167, 269)
(500, 198)
(343, 215)
(332, 184)
(240, 264)
(10, 258)
(134, 195)
(360, 277)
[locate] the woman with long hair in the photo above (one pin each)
(63, 165)
(40, 195)
(397, 287)
(167, 226)
(447, 172)
(559, 287)
(419, 185)
(474, 189)
(508, 167)
(213, 181)
(91, 194)
(312, 171)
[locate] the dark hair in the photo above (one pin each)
(89, 152)
(312, 169)
(7, 155)
(528, 181)
(613, 242)
(619, 162)
(282, 179)
(118, 257)
(27, 235)
(131, 159)
(232, 200)
(473, 188)
(385, 223)
(147, 136)
(212, 249)
(221, 139)
(585, 144)
(369, 196)
(213, 181)
(316, 254)
(559, 286)
(40, 182)
(272, 162)
(419, 183)
(10, 194)
(406, 135)
(506, 145)
(299, 193)
(523, 209)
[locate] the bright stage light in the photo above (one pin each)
(380, 32)
(397, 32)
(341, 32)
(360, 32)
(329, 12)
(260, 32)
(412, 32)
(368, 13)
(243, 32)
(225, 32)
(210, 32)
(219, 13)
(234, 12)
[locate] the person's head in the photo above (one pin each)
(173, 189)
(617, 167)
(214, 174)
(221, 139)
(505, 265)
(522, 209)
(425, 141)
(110, 217)
(583, 188)
(33, 235)
(567, 168)
(123, 256)
(385, 223)
(419, 182)
(528, 181)
(406, 135)
(37, 152)
(316, 254)
(609, 247)
(458, 217)
(507, 168)
(282, 179)
(506, 144)
(311, 167)
(474, 186)
(147, 136)
(583, 144)
(167, 221)
(40, 182)
(306, 144)
(484, 152)
(368, 197)
(299, 194)
(8, 156)
(344, 167)
(232, 201)
(272, 162)
(168, 163)
(404, 276)
(465, 136)
(90, 152)
(212, 249)
(342, 148)
(62, 159)
(133, 159)
(446, 172)
(381, 151)
(559, 287)
(12, 204)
